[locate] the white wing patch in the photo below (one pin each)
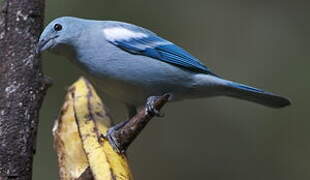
(120, 33)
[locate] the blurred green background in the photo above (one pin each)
(261, 43)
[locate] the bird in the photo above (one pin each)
(133, 64)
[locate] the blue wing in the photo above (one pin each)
(143, 42)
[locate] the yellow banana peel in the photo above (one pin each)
(82, 151)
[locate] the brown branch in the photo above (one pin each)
(125, 135)
(22, 85)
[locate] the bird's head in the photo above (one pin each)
(58, 33)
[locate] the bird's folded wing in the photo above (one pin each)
(142, 42)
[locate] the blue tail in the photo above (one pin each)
(245, 92)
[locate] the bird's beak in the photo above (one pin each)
(45, 44)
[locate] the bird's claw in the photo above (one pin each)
(111, 138)
(150, 106)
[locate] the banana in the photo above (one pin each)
(82, 151)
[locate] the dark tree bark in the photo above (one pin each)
(22, 85)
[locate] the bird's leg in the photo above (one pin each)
(110, 134)
(150, 108)
(113, 134)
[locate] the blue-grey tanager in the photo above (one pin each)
(131, 63)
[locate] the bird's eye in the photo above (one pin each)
(58, 27)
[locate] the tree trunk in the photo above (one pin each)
(22, 85)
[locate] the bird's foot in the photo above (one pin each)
(111, 137)
(150, 106)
